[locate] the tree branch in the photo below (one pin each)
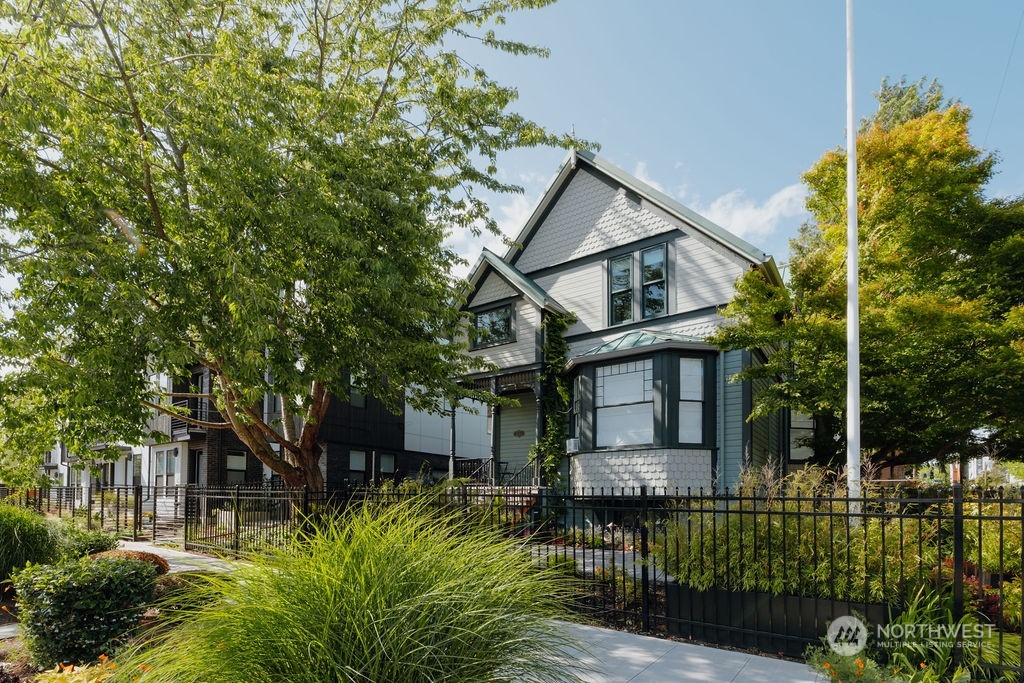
(167, 410)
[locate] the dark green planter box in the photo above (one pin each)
(783, 624)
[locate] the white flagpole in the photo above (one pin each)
(852, 294)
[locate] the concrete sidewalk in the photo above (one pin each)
(608, 656)
(619, 657)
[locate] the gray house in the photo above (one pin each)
(645, 278)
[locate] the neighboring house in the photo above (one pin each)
(645, 278)
(363, 442)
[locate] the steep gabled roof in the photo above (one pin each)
(672, 207)
(527, 287)
(628, 343)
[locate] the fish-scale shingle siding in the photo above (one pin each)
(493, 288)
(591, 216)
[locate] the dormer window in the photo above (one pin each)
(494, 326)
(637, 285)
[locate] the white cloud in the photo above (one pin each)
(640, 171)
(743, 217)
(511, 216)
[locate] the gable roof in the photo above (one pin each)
(524, 285)
(672, 207)
(628, 343)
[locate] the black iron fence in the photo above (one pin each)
(745, 569)
(135, 512)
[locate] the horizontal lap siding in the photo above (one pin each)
(523, 351)
(518, 433)
(731, 458)
(580, 290)
(705, 275)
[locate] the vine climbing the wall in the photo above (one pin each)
(556, 395)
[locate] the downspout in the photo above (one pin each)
(720, 459)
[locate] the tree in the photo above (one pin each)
(263, 189)
(941, 290)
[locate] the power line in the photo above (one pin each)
(1002, 84)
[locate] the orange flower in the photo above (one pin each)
(103, 658)
(4, 608)
(923, 665)
(145, 667)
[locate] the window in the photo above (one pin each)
(691, 400)
(653, 270)
(494, 326)
(624, 402)
(235, 472)
(620, 274)
(650, 292)
(357, 466)
(166, 461)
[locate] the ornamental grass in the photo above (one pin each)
(400, 594)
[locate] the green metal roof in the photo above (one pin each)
(511, 274)
(627, 343)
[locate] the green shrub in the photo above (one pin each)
(74, 542)
(399, 594)
(800, 541)
(1010, 603)
(25, 537)
(75, 611)
(159, 563)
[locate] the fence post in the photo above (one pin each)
(88, 507)
(645, 581)
(958, 567)
(237, 520)
(184, 531)
(136, 511)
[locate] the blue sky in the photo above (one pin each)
(723, 104)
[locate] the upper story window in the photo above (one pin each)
(494, 326)
(637, 285)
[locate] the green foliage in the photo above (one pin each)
(261, 190)
(928, 608)
(1011, 603)
(585, 538)
(550, 448)
(836, 667)
(941, 323)
(903, 101)
(386, 593)
(25, 536)
(791, 536)
(74, 612)
(90, 673)
(76, 542)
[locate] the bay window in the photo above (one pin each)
(624, 403)
(691, 400)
